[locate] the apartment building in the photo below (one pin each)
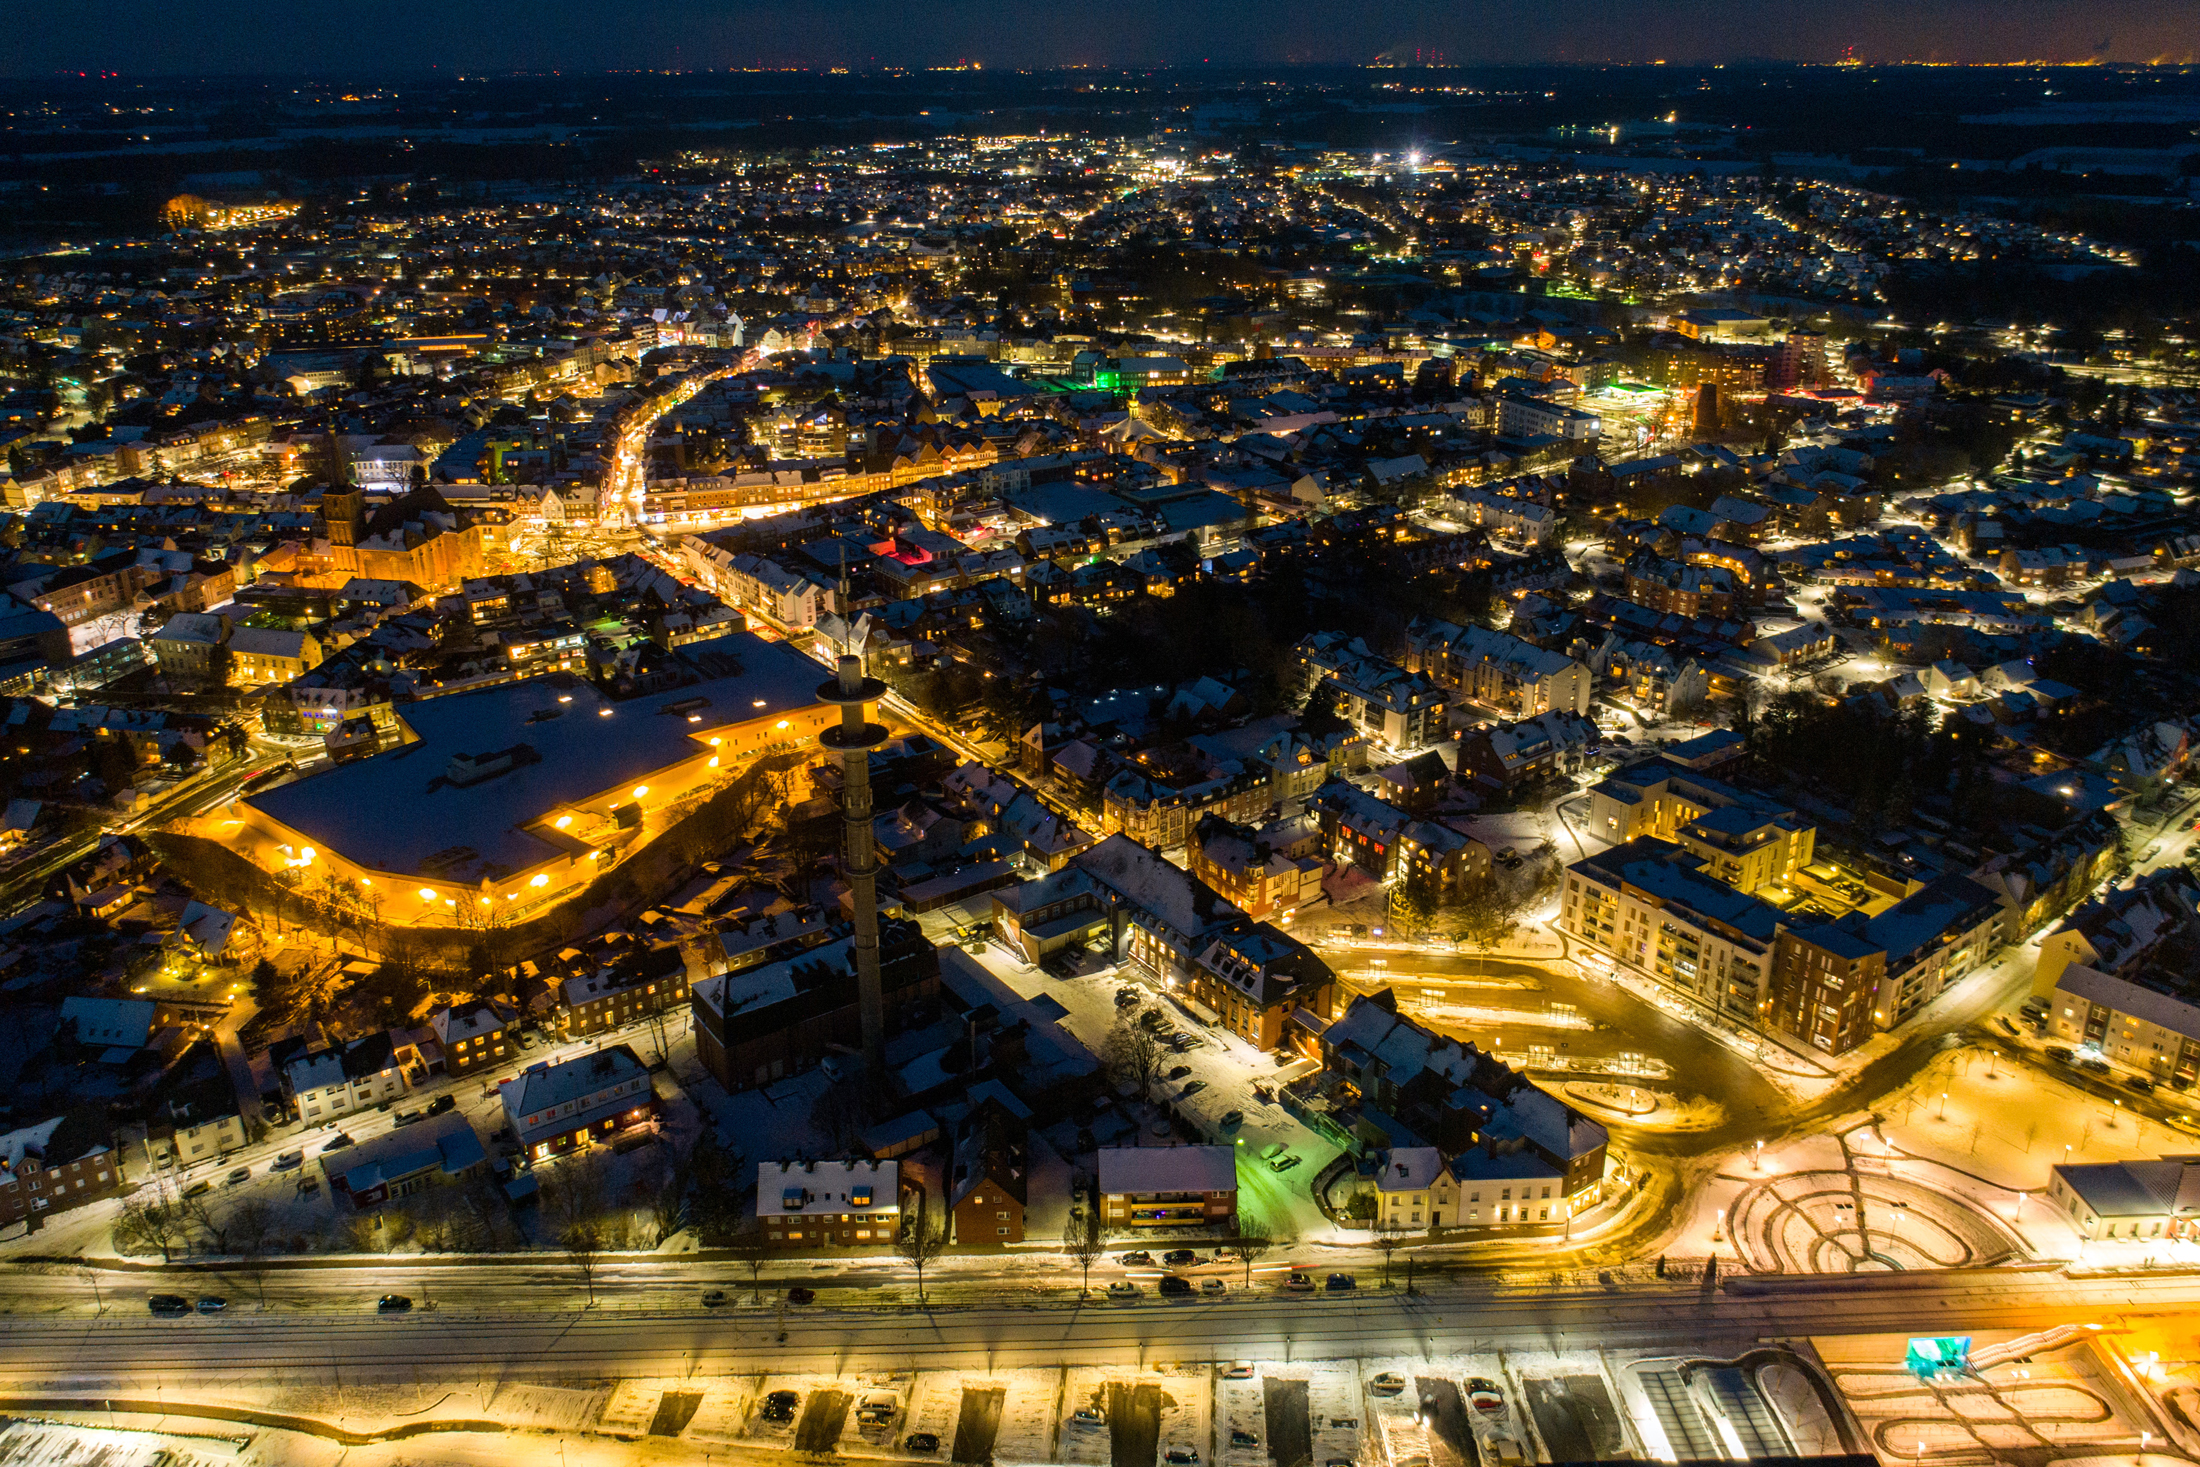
(1247, 868)
(1373, 694)
(1743, 839)
(1143, 1187)
(1497, 669)
(36, 1183)
(555, 1106)
(1257, 981)
(1835, 984)
(2119, 977)
(472, 1035)
(838, 1204)
(322, 1084)
(263, 657)
(989, 1178)
(1649, 905)
(1390, 844)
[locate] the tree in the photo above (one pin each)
(1390, 1236)
(1413, 902)
(748, 1246)
(1132, 1054)
(251, 1224)
(716, 1204)
(1255, 1241)
(483, 1204)
(668, 1203)
(1081, 1240)
(146, 1226)
(1485, 914)
(922, 1240)
(583, 1245)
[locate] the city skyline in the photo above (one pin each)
(138, 40)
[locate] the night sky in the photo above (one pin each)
(401, 38)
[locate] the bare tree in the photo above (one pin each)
(210, 1223)
(921, 1241)
(573, 1195)
(145, 1227)
(748, 1247)
(251, 1224)
(1254, 1242)
(1132, 1054)
(668, 1203)
(1081, 1240)
(583, 1246)
(484, 1206)
(1485, 914)
(1389, 1238)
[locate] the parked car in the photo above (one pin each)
(1283, 1163)
(212, 1304)
(1139, 1259)
(713, 1298)
(290, 1161)
(308, 1186)
(1483, 1395)
(393, 1304)
(168, 1304)
(1232, 1119)
(1239, 1371)
(1175, 1286)
(238, 1177)
(1272, 1150)
(1177, 1072)
(341, 1141)
(1178, 1257)
(878, 1412)
(1087, 1416)
(779, 1406)
(1122, 1289)
(1125, 997)
(408, 1117)
(1193, 1087)
(1240, 1437)
(440, 1104)
(1181, 1457)
(1389, 1383)
(1213, 1286)
(800, 1295)
(1299, 1283)
(1339, 1282)
(2140, 1084)
(922, 1441)
(2062, 1052)
(198, 1189)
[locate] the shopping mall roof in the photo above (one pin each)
(400, 811)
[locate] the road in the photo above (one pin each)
(130, 1350)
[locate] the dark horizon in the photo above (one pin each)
(141, 41)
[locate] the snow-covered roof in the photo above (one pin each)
(1138, 1170)
(791, 1188)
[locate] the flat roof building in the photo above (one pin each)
(518, 796)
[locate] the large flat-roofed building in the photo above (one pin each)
(2129, 1199)
(516, 797)
(756, 1025)
(1167, 1186)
